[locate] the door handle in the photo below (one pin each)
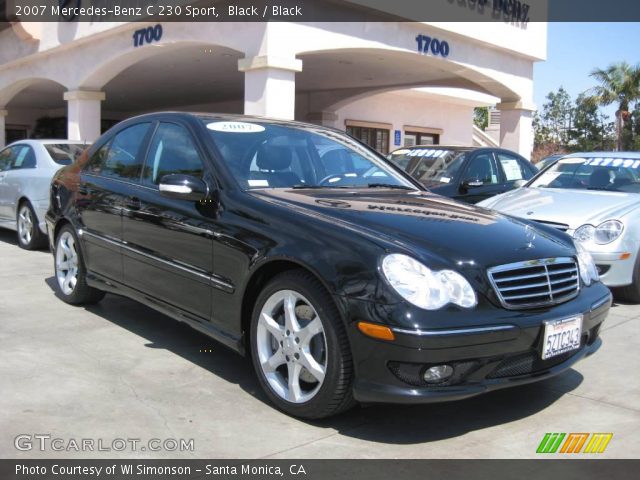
(132, 203)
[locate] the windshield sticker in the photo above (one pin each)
(445, 179)
(613, 162)
(511, 169)
(235, 127)
(258, 183)
(426, 152)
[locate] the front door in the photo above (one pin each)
(168, 243)
(480, 179)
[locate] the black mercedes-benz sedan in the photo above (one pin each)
(342, 278)
(468, 174)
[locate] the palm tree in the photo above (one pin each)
(620, 84)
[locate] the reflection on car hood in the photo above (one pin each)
(570, 207)
(428, 224)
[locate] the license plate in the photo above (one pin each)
(561, 336)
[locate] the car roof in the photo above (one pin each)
(635, 155)
(226, 116)
(47, 141)
(441, 147)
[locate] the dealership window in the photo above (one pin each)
(421, 136)
(376, 135)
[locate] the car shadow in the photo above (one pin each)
(10, 237)
(407, 424)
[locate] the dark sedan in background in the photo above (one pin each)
(340, 275)
(468, 174)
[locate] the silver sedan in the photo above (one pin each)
(595, 198)
(26, 169)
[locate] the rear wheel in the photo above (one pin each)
(631, 292)
(29, 235)
(300, 349)
(70, 270)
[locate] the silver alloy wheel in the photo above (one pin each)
(66, 263)
(291, 345)
(25, 224)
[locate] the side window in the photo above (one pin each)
(172, 151)
(120, 157)
(6, 157)
(96, 163)
(24, 158)
(512, 167)
(482, 167)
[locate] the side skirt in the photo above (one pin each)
(200, 324)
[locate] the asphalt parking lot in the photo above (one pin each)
(121, 370)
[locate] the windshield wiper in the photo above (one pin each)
(302, 186)
(390, 185)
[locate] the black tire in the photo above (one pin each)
(81, 294)
(36, 238)
(335, 394)
(631, 293)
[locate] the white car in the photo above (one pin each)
(595, 198)
(26, 169)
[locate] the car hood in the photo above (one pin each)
(434, 228)
(565, 206)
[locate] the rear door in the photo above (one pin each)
(12, 159)
(168, 250)
(107, 180)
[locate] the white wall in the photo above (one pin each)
(407, 108)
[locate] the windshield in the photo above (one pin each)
(429, 165)
(264, 155)
(64, 153)
(610, 174)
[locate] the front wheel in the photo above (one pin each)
(300, 349)
(71, 272)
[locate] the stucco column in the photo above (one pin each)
(270, 86)
(83, 114)
(516, 127)
(3, 126)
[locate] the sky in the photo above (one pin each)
(575, 49)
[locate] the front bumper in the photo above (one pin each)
(499, 352)
(614, 272)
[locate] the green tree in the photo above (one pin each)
(618, 84)
(591, 128)
(481, 117)
(552, 125)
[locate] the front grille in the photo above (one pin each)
(559, 226)
(528, 363)
(531, 363)
(535, 283)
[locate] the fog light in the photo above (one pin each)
(438, 374)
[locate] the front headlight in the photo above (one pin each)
(604, 233)
(425, 288)
(586, 265)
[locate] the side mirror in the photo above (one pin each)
(519, 183)
(471, 183)
(183, 187)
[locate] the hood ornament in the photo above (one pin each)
(530, 236)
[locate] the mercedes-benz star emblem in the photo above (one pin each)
(530, 236)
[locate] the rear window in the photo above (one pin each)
(64, 153)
